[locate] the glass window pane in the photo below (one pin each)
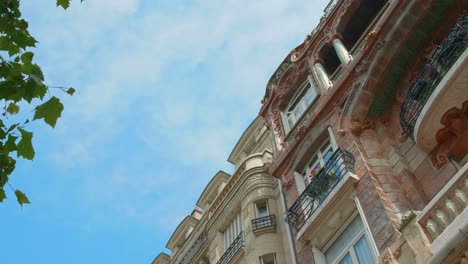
(262, 210)
(363, 251)
(343, 242)
(346, 260)
(327, 155)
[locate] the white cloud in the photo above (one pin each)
(184, 80)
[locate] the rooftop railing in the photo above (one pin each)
(340, 163)
(236, 245)
(434, 70)
(329, 8)
(194, 249)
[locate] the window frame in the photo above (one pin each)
(288, 123)
(261, 202)
(234, 226)
(298, 174)
(350, 246)
(268, 255)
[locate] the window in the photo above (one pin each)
(262, 209)
(306, 94)
(232, 231)
(268, 259)
(318, 160)
(325, 147)
(351, 246)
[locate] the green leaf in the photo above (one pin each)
(2, 195)
(50, 111)
(13, 49)
(4, 43)
(27, 57)
(22, 199)
(12, 109)
(12, 127)
(25, 148)
(36, 74)
(71, 91)
(63, 3)
(10, 144)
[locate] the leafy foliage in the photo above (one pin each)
(21, 82)
(22, 199)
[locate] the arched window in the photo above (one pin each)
(306, 94)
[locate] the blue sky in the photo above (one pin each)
(164, 90)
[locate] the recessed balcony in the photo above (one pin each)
(440, 86)
(264, 224)
(329, 191)
(234, 251)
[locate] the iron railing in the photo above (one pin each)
(259, 224)
(194, 249)
(320, 186)
(329, 8)
(237, 244)
(434, 70)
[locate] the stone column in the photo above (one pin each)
(342, 52)
(322, 76)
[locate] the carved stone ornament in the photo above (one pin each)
(439, 157)
(380, 44)
(357, 127)
(389, 257)
(276, 126)
(363, 65)
(301, 132)
(288, 184)
(299, 52)
(453, 138)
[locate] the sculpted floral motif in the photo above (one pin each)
(358, 127)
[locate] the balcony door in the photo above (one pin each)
(318, 161)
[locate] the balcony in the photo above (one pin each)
(437, 87)
(264, 225)
(233, 251)
(320, 188)
(329, 8)
(192, 252)
(444, 219)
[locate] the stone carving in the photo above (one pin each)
(299, 52)
(277, 128)
(288, 184)
(380, 44)
(453, 137)
(301, 132)
(357, 127)
(363, 65)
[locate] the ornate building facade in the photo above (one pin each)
(359, 154)
(370, 129)
(238, 218)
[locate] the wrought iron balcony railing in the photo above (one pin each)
(320, 186)
(194, 249)
(434, 70)
(237, 244)
(262, 223)
(329, 7)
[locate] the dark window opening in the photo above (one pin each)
(360, 21)
(330, 59)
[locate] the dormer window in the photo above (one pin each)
(304, 97)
